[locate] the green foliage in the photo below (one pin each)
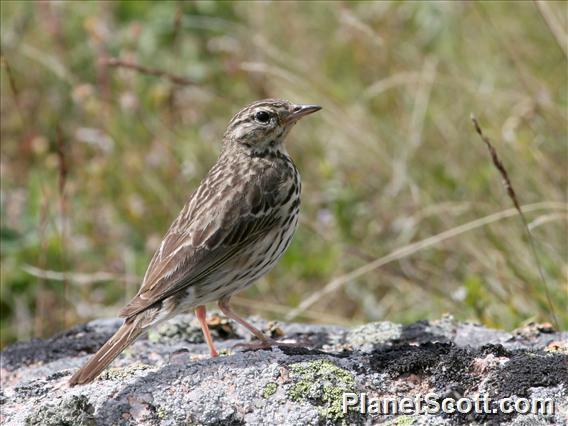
(391, 160)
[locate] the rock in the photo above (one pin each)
(167, 378)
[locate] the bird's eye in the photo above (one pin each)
(262, 117)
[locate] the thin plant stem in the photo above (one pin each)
(513, 196)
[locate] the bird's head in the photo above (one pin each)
(264, 124)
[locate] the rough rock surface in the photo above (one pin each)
(166, 378)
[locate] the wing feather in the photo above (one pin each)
(209, 232)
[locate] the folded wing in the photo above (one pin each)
(217, 223)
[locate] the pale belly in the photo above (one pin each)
(243, 271)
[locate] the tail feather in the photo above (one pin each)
(125, 335)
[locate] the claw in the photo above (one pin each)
(266, 344)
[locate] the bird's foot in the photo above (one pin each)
(267, 344)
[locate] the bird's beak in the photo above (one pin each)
(300, 111)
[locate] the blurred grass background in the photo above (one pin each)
(98, 159)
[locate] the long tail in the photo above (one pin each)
(125, 335)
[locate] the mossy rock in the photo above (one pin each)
(322, 383)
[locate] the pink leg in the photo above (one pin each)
(265, 340)
(200, 313)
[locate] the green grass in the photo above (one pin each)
(390, 161)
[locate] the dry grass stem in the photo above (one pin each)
(63, 171)
(78, 277)
(281, 310)
(553, 24)
(513, 196)
(410, 249)
(121, 63)
(13, 87)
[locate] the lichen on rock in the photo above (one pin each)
(169, 379)
(322, 383)
(269, 390)
(72, 410)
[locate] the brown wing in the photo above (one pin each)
(221, 218)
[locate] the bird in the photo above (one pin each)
(232, 230)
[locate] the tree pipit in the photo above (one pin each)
(232, 230)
